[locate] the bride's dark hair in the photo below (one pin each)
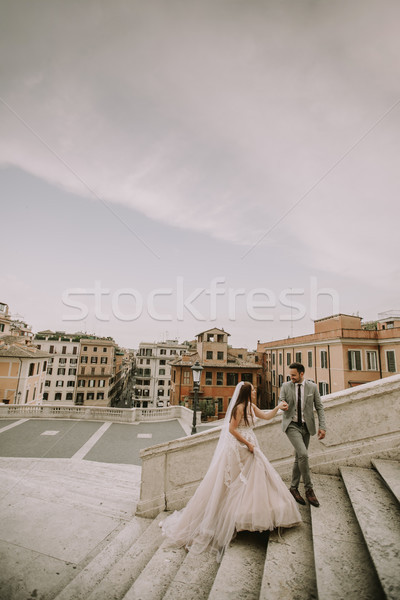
(244, 397)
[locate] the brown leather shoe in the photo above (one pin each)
(311, 497)
(297, 496)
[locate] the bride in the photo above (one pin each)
(240, 491)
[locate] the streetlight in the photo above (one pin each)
(196, 369)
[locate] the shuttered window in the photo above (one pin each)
(391, 361)
(354, 360)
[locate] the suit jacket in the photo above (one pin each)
(311, 399)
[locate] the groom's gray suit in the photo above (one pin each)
(300, 436)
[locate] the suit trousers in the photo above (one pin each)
(299, 437)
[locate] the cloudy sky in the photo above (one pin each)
(153, 154)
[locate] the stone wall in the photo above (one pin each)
(362, 423)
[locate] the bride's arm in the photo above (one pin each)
(267, 416)
(234, 424)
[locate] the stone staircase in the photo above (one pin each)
(348, 548)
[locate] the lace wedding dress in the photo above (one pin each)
(240, 491)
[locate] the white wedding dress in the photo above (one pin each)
(240, 491)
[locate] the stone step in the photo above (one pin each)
(377, 513)
(83, 584)
(122, 575)
(343, 566)
(156, 577)
(240, 573)
(194, 579)
(389, 470)
(288, 571)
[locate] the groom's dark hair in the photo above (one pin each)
(298, 366)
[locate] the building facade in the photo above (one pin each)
(153, 372)
(96, 372)
(223, 368)
(62, 368)
(22, 372)
(341, 353)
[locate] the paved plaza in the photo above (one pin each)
(66, 488)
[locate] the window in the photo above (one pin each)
(58, 396)
(2, 328)
(102, 383)
(61, 371)
(59, 383)
(273, 378)
(31, 369)
(73, 361)
(288, 358)
(280, 380)
(391, 361)
(38, 368)
(84, 359)
(82, 370)
(62, 361)
(100, 396)
(390, 324)
(247, 377)
(209, 354)
(85, 348)
(45, 396)
(75, 350)
(162, 362)
(71, 371)
(220, 337)
(64, 350)
(309, 356)
(79, 398)
(103, 370)
(47, 383)
(93, 360)
(240, 355)
(90, 396)
(50, 371)
(372, 362)
(220, 378)
(44, 365)
(147, 372)
(209, 378)
(104, 349)
(323, 388)
(103, 360)
(273, 398)
(163, 351)
(186, 377)
(280, 359)
(69, 396)
(354, 360)
(220, 404)
(220, 355)
(51, 349)
(91, 382)
(298, 357)
(324, 359)
(92, 370)
(161, 371)
(95, 349)
(161, 392)
(161, 382)
(232, 379)
(172, 352)
(147, 361)
(273, 358)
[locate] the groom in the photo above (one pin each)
(298, 424)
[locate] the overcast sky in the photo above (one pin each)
(191, 146)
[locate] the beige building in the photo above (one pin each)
(62, 367)
(341, 353)
(96, 372)
(22, 372)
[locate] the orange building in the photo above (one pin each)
(341, 353)
(223, 368)
(95, 372)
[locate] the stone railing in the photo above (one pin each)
(96, 413)
(362, 423)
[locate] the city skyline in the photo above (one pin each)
(157, 152)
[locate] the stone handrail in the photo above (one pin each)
(362, 423)
(96, 413)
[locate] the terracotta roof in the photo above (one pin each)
(213, 329)
(233, 364)
(17, 351)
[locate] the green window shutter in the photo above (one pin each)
(391, 361)
(350, 361)
(358, 361)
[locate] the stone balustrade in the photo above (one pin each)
(97, 413)
(362, 423)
